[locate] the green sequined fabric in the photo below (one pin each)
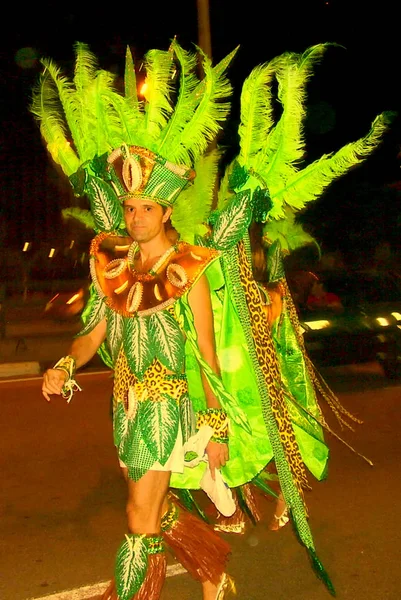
(131, 563)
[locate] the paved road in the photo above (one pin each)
(62, 502)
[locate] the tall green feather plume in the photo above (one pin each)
(256, 112)
(106, 129)
(69, 103)
(183, 110)
(218, 71)
(85, 68)
(84, 78)
(273, 150)
(193, 206)
(285, 147)
(285, 143)
(204, 125)
(46, 108)
(118, 120)
(309, 183)
(159, 65)
(277, 164)
(131, 93)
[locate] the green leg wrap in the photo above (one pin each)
(136, 556)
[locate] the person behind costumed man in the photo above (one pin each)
(271, 162)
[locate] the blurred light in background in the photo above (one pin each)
(317, 324)
(73, 298)
(52, 252)
(383, 321)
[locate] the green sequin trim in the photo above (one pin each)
(154, 544)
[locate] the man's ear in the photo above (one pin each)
(167, 214)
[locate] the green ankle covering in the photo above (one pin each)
(132, 562)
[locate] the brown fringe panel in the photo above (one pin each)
(200, 550)
(251, 498)
(152, 585)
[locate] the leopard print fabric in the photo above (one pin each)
(156, 382)
(269, 365)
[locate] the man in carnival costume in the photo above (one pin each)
(138, 282)
(198, 395)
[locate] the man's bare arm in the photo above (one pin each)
(82, 350)
(201, 306)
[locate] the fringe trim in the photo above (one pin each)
(196, 546)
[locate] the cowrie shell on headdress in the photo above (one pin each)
(132, 174)
(134, 297)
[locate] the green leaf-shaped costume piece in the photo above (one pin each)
(131, 566)
(105, 206)
(167, 340)
(158, 421)
(231, 224)
(138, 345)
(121, 424)
(115, 331)
(95, 311)
(275, 266)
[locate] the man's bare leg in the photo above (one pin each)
(146, 498)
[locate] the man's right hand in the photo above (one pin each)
(53, 382)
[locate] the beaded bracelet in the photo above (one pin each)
(67, 365)
(217, 419)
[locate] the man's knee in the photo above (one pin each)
(143, 516)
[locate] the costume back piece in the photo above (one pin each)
(113, 147)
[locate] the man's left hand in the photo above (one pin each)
(217, 454)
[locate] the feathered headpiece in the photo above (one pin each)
(113, 146)
(272, 151)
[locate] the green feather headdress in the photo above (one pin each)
(272, 152)
(114, 145)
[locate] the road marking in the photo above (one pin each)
(84, 374)
(89, 591)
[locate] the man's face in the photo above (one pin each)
(144, 219)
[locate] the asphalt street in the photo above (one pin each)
(62, 502)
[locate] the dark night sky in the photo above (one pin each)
(356, 81)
